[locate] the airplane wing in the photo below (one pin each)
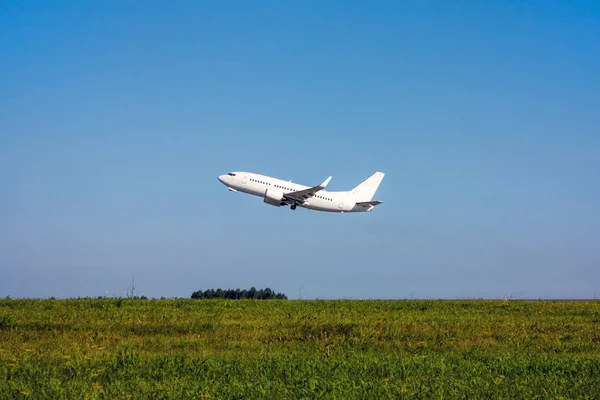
(302, 195)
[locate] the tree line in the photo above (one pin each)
(237, 294)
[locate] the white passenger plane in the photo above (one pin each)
(277, 192)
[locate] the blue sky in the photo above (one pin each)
(117, 117)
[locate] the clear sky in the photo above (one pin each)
(116, 117)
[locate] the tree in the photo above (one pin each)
(237, 294)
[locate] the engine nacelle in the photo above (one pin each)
(273, 197)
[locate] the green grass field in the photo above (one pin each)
(221, 349)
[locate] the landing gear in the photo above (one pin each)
(293, 206)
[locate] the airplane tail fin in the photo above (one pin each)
(366, 190)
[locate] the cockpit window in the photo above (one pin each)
(230, 174)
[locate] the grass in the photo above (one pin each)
(223, 349)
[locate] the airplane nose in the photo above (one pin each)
(221, 178)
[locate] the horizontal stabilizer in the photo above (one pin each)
(369, 205)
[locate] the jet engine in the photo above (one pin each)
(273, 197)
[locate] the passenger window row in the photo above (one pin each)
(257, 181)
(284, 188)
